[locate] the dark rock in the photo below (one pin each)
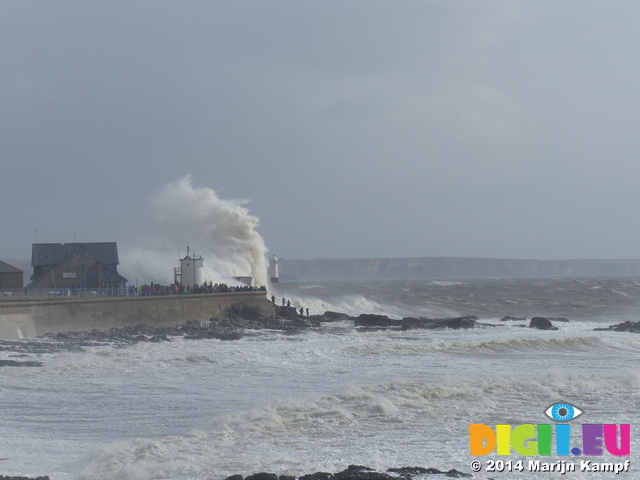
(9, 363)
(15, 363)
(633, 327)
(414, 471)
(371, 320)
(159, 338)
(144, 329)
(262, 476)
(559, 319)
(317, 476)
(541, 323)
(410, 323)
(286, 312)
(456, 323)
(10, 477)
(358, 472)
(335, 316)
(229, 335)
(305, 322)
(623, 327)
(246, 311)
(509, 318)
(453, 473)
(408, 471)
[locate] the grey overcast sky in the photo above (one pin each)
(504, 129)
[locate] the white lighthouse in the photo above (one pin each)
(275, 279)
(191, 271)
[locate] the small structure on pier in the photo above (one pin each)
(191, 270)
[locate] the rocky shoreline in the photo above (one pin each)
(10, 477)
(235, 323)
(359, 472)
(353, 472)
(632, 327)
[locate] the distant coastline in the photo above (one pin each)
(450, 268)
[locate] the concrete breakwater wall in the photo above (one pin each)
(24, 319)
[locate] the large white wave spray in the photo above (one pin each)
(222, 231)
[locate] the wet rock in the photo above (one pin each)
(509, 318)
(15, 363)
(627, 327)
(332, 316)
(410, 323)
(248, 312)
(10, 477)
(371, 320)
(632, 327)
(286, 312)
(410, 471)
(262, 476)
(559, 319)
(541, 323)
(456, 323)
(358, 472)
(159, 338)
(317, 476)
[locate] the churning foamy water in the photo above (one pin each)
(333, 396)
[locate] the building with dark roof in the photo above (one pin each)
(10, 277)
(75, 265)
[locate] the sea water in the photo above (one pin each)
(328, 397)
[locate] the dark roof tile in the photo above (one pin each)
(57, 253)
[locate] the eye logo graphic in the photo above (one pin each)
(563, 412)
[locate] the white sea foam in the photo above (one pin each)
(356, 304)
(222, 231)
(443, 283)
(349, 304)
(511, 345)
(304, 435)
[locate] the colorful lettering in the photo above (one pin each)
(530, 440)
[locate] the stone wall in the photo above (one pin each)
(23, 319)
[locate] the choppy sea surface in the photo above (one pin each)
(331, 396)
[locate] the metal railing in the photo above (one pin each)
(33, 293)
(29, 293)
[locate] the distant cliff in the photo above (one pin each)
(450, 267)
